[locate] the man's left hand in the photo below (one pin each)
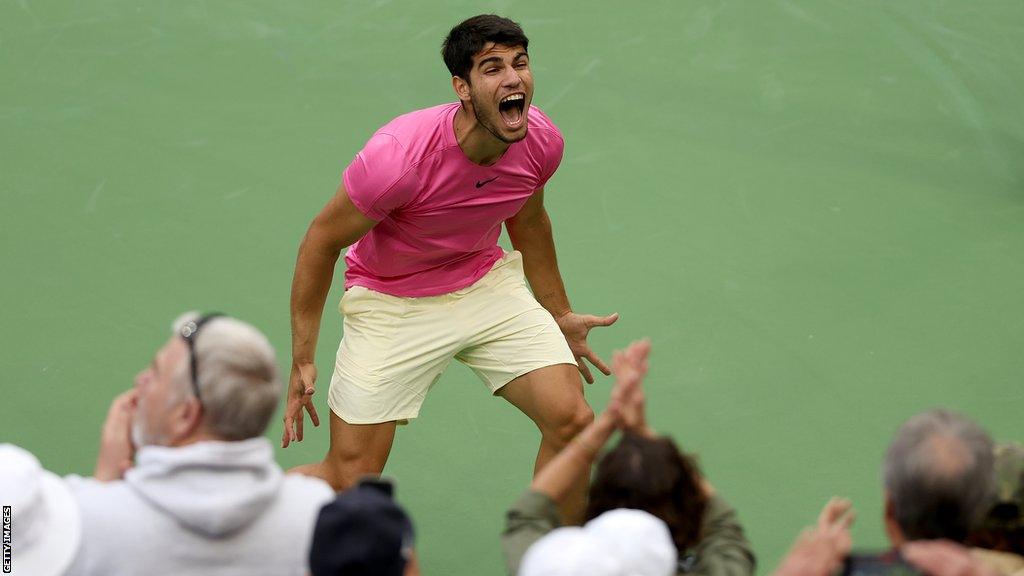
(575, 327)
(820, 551)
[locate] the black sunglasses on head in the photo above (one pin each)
(189, 332)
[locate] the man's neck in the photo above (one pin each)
(199, 435)
(476, 142)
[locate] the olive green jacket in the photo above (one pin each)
(722, 551)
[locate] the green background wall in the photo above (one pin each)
(814, 209)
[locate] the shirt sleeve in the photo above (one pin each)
(554, 147)
(528, 520)
(723, 549)
(380, 178)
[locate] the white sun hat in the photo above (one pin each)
(45, 524)
(640, 541)
(619, 542)
(569, 551)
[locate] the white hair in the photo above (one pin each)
(237, 375)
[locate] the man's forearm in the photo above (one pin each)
(534, 239)
(314, 269)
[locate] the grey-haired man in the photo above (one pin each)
(203, 494)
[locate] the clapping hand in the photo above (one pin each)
(627, 402)
(819, 551)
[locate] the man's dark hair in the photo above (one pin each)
(938, 473)
(653, 475)
(468, 38)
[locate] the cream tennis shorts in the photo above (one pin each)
(394, 349)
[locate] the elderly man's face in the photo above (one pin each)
(160, 390)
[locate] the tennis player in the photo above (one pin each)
(422, 207)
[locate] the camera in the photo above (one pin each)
(889, 563)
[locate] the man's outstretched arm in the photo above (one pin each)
(337, 226)
(530, 232)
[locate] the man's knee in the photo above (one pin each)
(352, 456)
(343, 469)
(568, 424)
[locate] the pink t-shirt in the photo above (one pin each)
(439, 215)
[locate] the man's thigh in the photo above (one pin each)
(368, 442)
(551, 396)
(509, 333)
(393, 350)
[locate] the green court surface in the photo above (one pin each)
(814, 209)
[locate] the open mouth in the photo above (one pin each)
(511, 109)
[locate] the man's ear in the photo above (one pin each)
(185, 419)
(892, 527)
(461, 88)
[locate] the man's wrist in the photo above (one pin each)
(303, 348)
(559, 313)
(105, 474)
(588, 450)
(554, 302)
(110, 468)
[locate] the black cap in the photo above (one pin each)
(362, 531)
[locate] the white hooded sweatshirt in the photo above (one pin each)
(210, 508)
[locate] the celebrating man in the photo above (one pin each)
(422, 206)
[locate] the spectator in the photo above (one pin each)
(616, 543)
(819, 551)
(45, 529)
(1000, 536)
(363, 532)
(822, 551)
(644, 472)
(937, 479)
(569, 551)
(204, 495)
(650, 473)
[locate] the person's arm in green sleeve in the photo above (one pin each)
(723, 549)
(536, 512)
(528, 520)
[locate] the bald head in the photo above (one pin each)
(938, 475)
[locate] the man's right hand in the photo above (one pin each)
(301, 386)
(337, 226)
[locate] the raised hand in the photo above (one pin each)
(627, 400)
(820, 551)
(576, 327)
(301, 387)
(116, 448)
